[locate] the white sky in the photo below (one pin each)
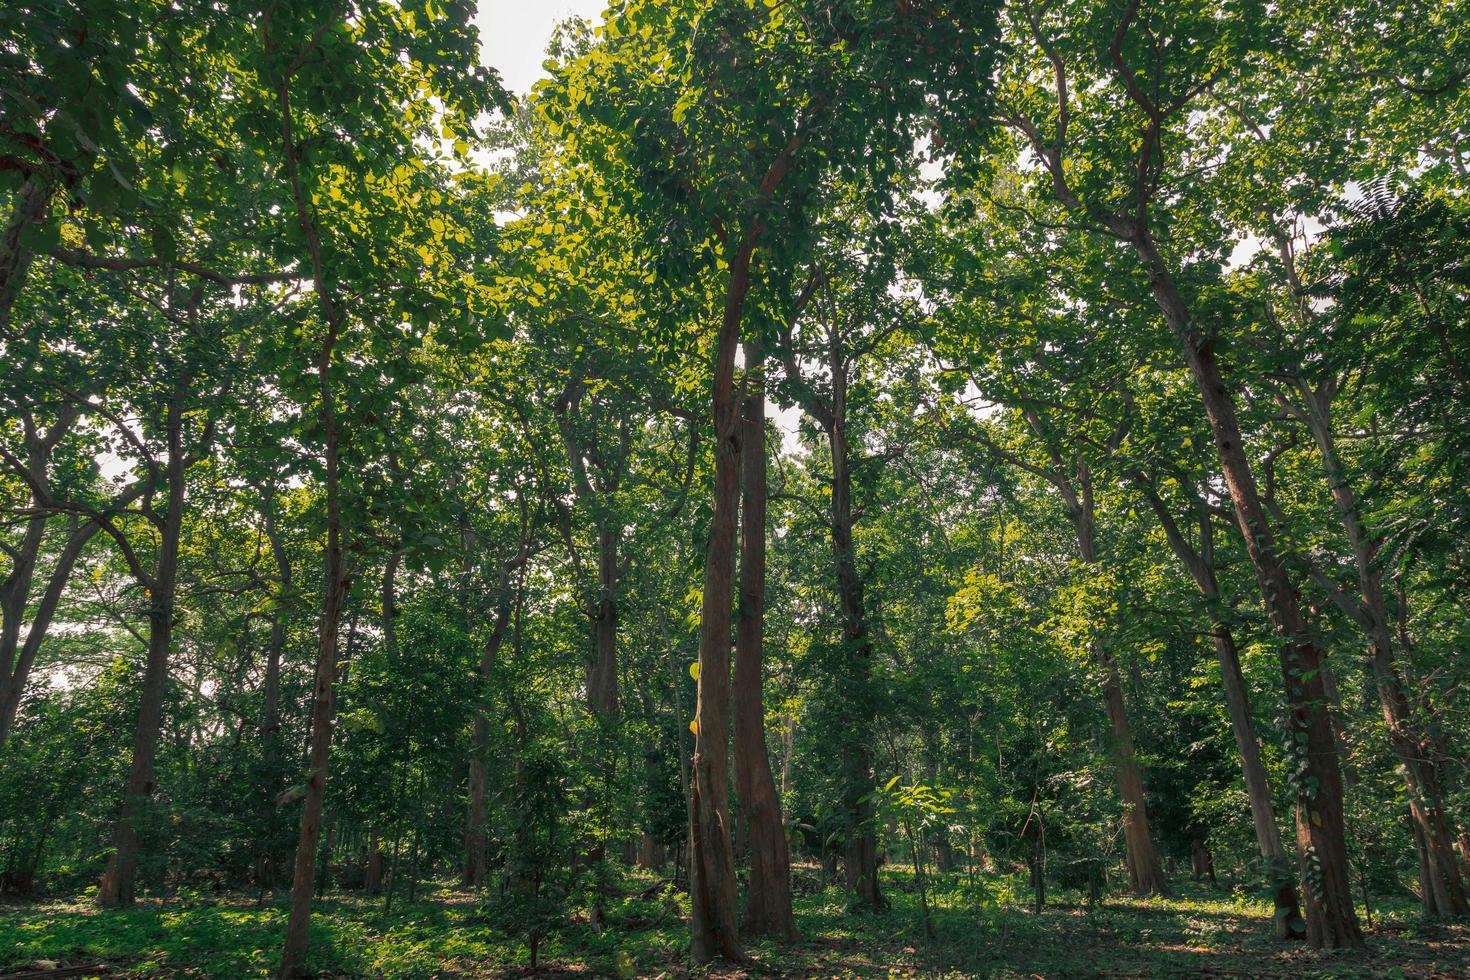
(513, 34)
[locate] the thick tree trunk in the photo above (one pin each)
(1322, 845)
(15, 595)
(372, 875)
(712, 884)
(117, 888)
(768, 895)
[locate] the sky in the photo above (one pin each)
(513, 34)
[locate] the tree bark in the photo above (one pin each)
(1444, 893)
(17, 659)
(1145, 873)
(118, 886)
(1321, 839)
(768, 894)
(476, 858)
(334, 591)
(1200, 563)
(30, 205)
(861, 856)
(602, 672)
(293, 956)
(712, 884)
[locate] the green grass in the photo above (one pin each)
(983, 929)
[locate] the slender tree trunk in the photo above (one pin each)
(1145, 873)
(1445, 893)
(1288, 916)
(293, 952)
(861, 856)
(293, 960)
(768, 894)
(118, 886)
(476, 857)
(1200, 563)
(16, 664)
(1321, 840)
(372, 876)
(712, 884)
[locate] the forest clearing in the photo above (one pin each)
(983, 929)
(734, 488)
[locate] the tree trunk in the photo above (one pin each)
(16, 664)
(293, 957)
(1200, 563)
(15, 259)
(602, 672)
(1321, 840)
(861, 856)
(768, 895)
(1445, 893)
(117, 888)
(1288, 916)
(476, 858)
(712, 885)
(372, 875)
(15, 594)
(1145, 874)
(298, 925)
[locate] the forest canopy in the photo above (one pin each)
(832, 487)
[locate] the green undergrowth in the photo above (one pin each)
(982, 925)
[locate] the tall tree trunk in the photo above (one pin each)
(293, 957)
(476, 857)
(298, 925)
(768, 895)
(1200, 563)
(1145, 873)
(1445, 893)
(117, 888)
(1321, 839)
(861, 857)
(602, 673)
(712, 886)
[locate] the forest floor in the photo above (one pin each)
(982, 928)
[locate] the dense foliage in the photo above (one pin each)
(843, 458)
